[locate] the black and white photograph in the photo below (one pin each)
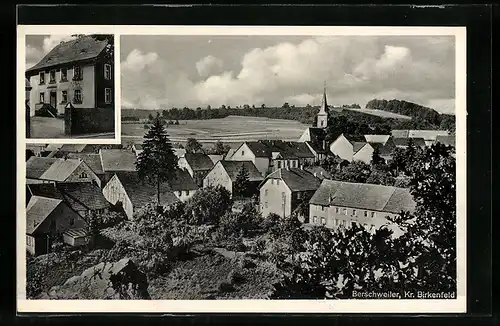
(70, 86)
(253, 171)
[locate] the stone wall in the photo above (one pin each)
(79, 121)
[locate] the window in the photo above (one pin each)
(187, 192)
(373, 214)
(315, 220)
(345, 211)
(64, 96)
(353, 223)
(64, 74)
(52, 76)
(272, 181)
(77, 99)
(279, 164)
(107, 95)
(323, 220)
(265, 204)
(337, 210)
(83, 175)
(265, 192)
(298, 195)
(242, 152)
(42, 97)
(277, 181)
(366, 214)
(353, 212)
(77, 73)
(323, 208)
(71, 221)
(42, 78)
(107, 71)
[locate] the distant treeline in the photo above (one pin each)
(422, 117)
(416, 111)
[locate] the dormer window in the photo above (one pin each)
(77, 73)
(107, 71)
(64, 74)
(52, 75)
(42, 78)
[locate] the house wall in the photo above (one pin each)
(101, 83)
(184, 195)
(30, 244)
(364, 154)
(91, 176)
(114, 192)
(342, 148)
(245, 154)
(271, 200)
(281, 164)
(218, 177)
(322, 120)
(78, 121)
(62, 215)
(306, 136)
(336, 216)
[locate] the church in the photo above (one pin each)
(314, 137)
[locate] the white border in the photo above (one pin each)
(22, 32)
(286, 306)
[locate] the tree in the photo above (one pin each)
(193, 146)
(381, 177)
(156, 164)
(241, 185)
(355, 171)
(286, 105)
(376, 158)
(219, 148)
(207, 205)
(150, 117)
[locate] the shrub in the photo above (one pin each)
(225, 287)
(247, 263)
(235, 277)
(259, 246)
(34, 280)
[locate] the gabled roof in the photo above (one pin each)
(426, 134)
(233, 168)
(265, 148)
(73, 148)
(215, 157)
(296, 179)
(141, 193)
(363, 196)
(317, 147)
(80, 49)
(36, 166)
(404, 141)
(61, 169)
(446, 140)
(317, 135)
(400, 133)
(117, 160)
(383, 150)
(357, 145)
(38, 209)
(354, 138)
(377, 138)
(199, 161)
(230, 153)
(183, 181)
(91, 159)
(83, 195)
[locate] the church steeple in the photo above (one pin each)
(322, 120)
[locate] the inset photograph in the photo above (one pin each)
(70, 86)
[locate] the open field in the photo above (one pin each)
(381, 113)
(229, 129)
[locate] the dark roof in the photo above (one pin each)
(199, 161)
(363, 196)
(355, 138)
(357, 145)
(83, 195)
(296, 179)
(383, 150)
(265, 148)
(117, 160)
(233, 168)
(317, 134)
(73, 148)
(317, 147)
(183, 181)
(141, 193)
(48, 190)
(36, 166)
(37, 210)
(446, 140)
(318, 171)
(80, 49)
(404, 141)
(91, 159)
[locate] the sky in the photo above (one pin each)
(165, 71)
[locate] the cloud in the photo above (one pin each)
(356, 70)
(50, 42)
(208, 65)
(137, 61)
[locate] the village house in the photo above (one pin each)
(285, 189)
(93, 160)
(360, 148)
(215, 158)
(446, 140)
(272, 155)
(403, 142)
(338, 204)
(116, 160)
(224, 174)
(345, 146)
(197, 165)
(47, 218)
(75, 80)
(84, 198)
(429, 136)
(58, 170)
(183, 185)
(364, 154)
(125, 188)
(318, 172)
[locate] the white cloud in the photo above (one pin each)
(356, 69)
(137, 61)
(50, 42)
(208, 65)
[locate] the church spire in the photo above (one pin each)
(323, 111)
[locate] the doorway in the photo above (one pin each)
(53, 99)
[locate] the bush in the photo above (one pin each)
(259, 246)
(247, 263)
(235, 277)
(34, 280)
(225, 287)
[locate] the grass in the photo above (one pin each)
(229, 129)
